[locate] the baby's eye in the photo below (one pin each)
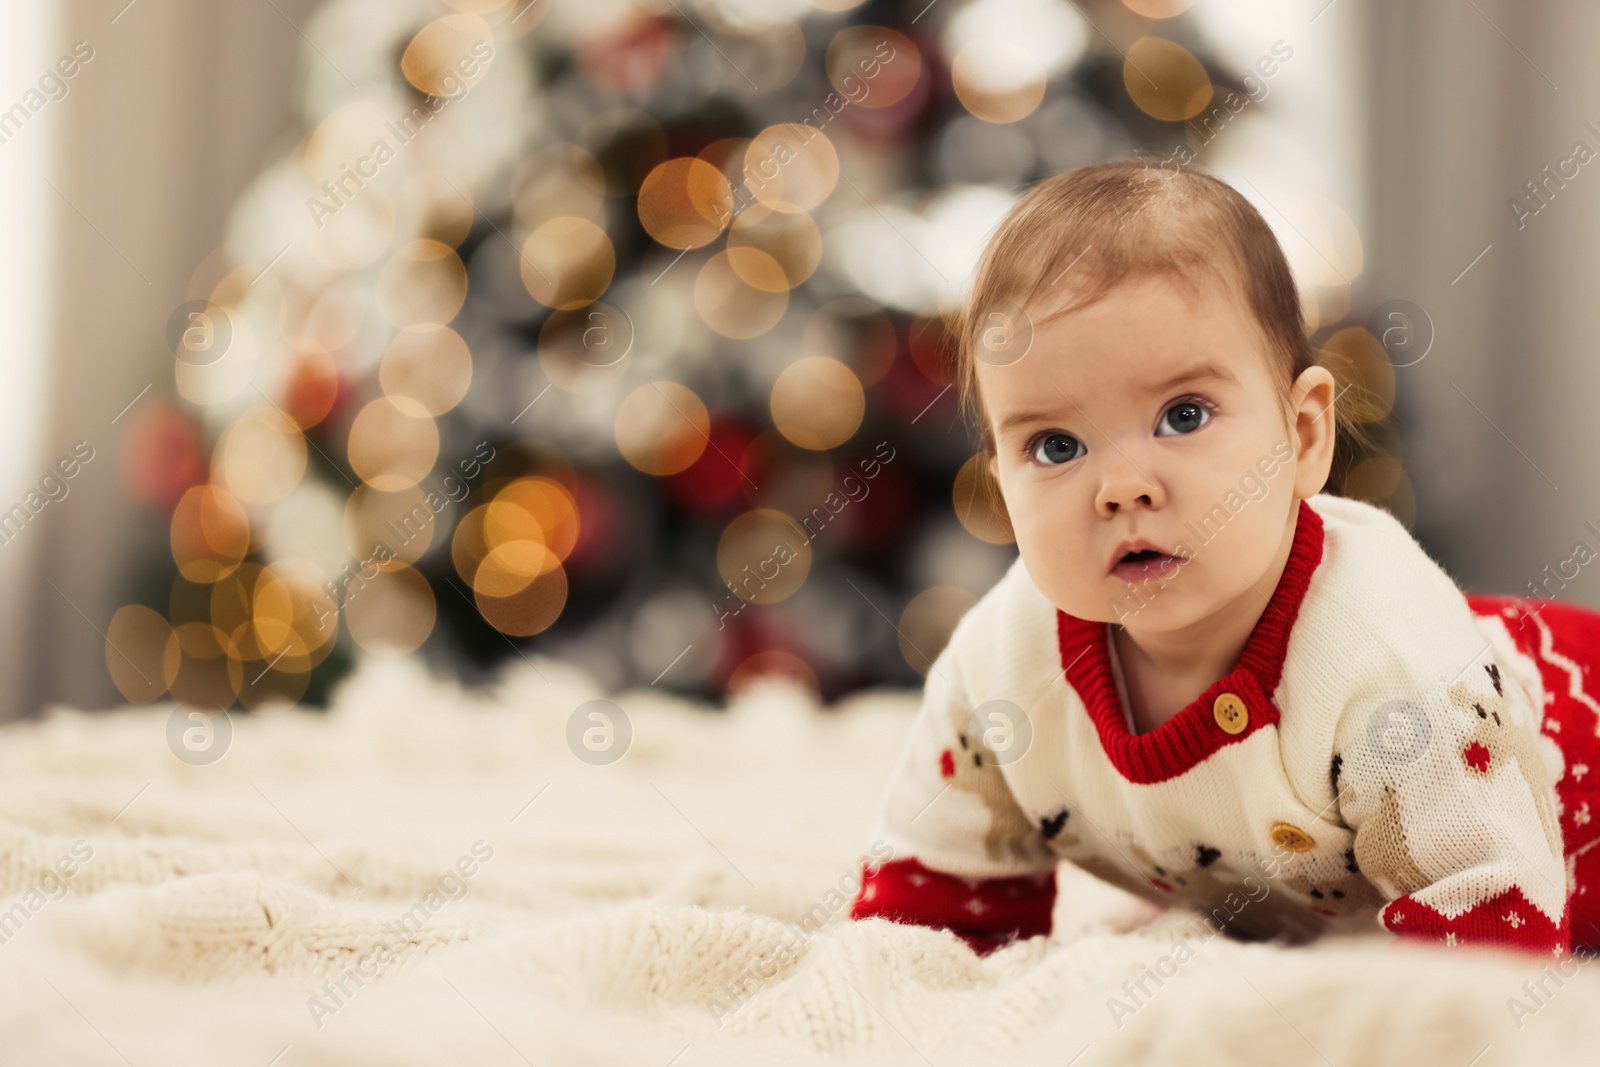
(1186, 416)
(1054, 449)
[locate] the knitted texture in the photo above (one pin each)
(684, 905)
(1387, 754)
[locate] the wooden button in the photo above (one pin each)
(1230, 712)
(1291, 837)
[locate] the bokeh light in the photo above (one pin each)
(401, 521)
(1358, 362)
(789, 246)
(764, 556)
(448, 55)
(791, 167)
(428, 364)
(928, 621)
(661, 427)
(685, 203)
(294, 612)
(978, 503)
(393, 443)
(732, 305)
(424, 282)
(818, 403)
(392, 613)
(873, 66)
(531, 609)
(1165, 80)
(567, 262)
(261, 456)
(142, 653)
(997, 81)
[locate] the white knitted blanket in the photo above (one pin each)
(430, 876)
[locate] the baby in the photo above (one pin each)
(1205, 680)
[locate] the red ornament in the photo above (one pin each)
(714, 481)
(162, 454)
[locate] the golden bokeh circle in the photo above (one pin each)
(393, 612)
(295, 613)
(978, 503)
(531, 609)
(261, 456)
(927, 622)
(424, 282)
(393, 443)
(534, 509)
(764, 556)
(791, 167)
(818, 403)
(997, 81)
(860, 73)
(729, 304)
(790, 243)
(448, 55)
(1165, 80)
(401, 521)
(567, 262)
(210, 533)
(1363, 375)
(662, 427)
(142, 653)
(430, 364)
(685, 203)
(511, 566)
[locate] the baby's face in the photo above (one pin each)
(1148, 416)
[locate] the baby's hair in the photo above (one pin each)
(1105, 223)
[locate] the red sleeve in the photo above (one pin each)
(1505, 921)
(986, 913)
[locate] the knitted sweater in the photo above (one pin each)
(1387, 754)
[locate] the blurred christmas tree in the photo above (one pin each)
(617, 331)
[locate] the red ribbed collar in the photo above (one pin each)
(1193, 734)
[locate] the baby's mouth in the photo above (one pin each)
(1136, 566)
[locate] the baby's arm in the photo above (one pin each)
(1455, 815)
(964, 856)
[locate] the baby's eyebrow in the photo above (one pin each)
(1199, 373)
(1023, 418)
(1203, 372)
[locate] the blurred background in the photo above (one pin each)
(618, 330)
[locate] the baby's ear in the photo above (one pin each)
(994, 466)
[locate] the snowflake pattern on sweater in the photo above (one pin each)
(1389, 754)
